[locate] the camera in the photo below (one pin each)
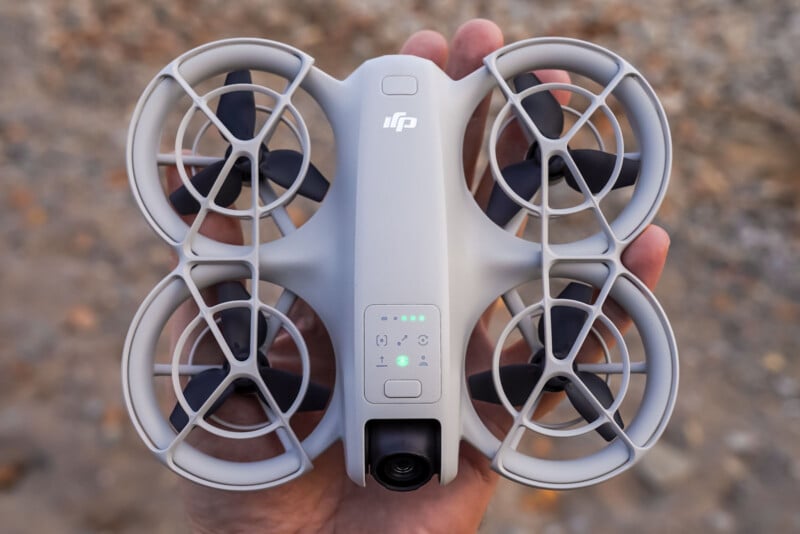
(403, 455)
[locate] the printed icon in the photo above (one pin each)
(384, 318)
(422, 362)
(402, 340)
(381, 340)
(423, 339)
(382, 364)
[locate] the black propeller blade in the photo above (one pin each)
(235, 322)
(186, 204)
(235, 325)
(595, 166)
(602, 393)
(284, 387)
(282, 166)
(519, 380)
(237, 111)
(567, 321)
(542, 107)
(199, 388)
(524, 178)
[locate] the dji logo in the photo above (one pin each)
(399, 122)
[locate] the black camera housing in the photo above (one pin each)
(403, 455)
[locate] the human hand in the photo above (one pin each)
(325, 500)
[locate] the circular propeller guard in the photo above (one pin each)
(592, 173)
(217, 178)
(519, 388)
(244, 370)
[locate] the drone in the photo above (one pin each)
(398, 264)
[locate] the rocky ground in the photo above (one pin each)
(76, 256)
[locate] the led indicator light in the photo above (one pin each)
(421, 318)
(404, 318)
(401, 360)
(413, 318)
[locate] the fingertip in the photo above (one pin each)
(473, 40)
(556, 76)
(658, 234)
(481, 31)
(657, 240)
(646, 256)
(427, 44)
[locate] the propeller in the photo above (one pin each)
(524, 178)
(235, 322)
(237, 111)
(235, 326)
(519, 380)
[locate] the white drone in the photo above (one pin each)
(399, 263)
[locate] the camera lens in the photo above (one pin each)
(405, 470)
(403, 455)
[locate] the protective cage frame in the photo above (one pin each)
(315, 262)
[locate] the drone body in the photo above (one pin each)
(399, 263)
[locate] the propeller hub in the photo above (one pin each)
(558, 365)
(556, 384)
(243, 163)
(246, 368)
(555, 167)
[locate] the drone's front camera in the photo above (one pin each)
(403, 455)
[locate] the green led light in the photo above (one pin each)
(413, 318)
(421, 318)
(401, 360)
(404, 318)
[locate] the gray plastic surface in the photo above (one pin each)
(397, 227)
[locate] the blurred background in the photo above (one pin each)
(77, 257)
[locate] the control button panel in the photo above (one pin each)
(399, 85)
(402, 353)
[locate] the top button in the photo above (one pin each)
(399, 85)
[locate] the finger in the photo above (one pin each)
(645, 258)
(471, 43)
(556, 76)
(215, 225)
(427, 44)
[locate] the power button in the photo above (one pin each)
(399, 85)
